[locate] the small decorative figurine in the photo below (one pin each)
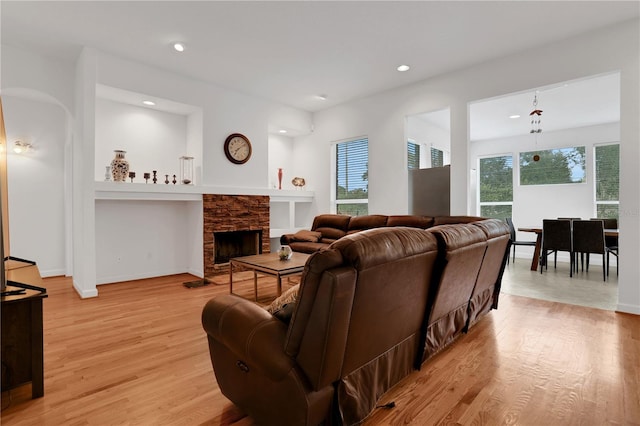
(146, 176)
(107, 174)
(132, 175)
(166, 179)
(174, 179)
(155, 176)
(285, 253)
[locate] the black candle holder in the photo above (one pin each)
(132, 175)
(155, 176)
(146, 176)
(174, 179)
(166, 179)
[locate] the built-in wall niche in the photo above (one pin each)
(153, 136)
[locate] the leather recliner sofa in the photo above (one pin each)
(371, 308)
(327, 228)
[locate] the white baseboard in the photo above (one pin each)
(85, 294)
(628, 309)
(140, 276)
(52, 273)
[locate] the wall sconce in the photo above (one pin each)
(20, 147)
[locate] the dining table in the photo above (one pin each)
(536, 251)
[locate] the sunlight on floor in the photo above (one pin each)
(584, 288)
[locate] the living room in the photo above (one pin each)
(75, 222)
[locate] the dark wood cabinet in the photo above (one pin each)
(22, 335)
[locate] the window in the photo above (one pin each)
(437, 158)
(352, 177)
(607, 180)
(496, 186)
(554, 166)
(413, 155)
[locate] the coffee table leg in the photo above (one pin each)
(255, 284)
(279, 281)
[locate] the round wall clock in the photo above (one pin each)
(237, 148)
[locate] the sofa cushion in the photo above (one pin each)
(332, 226)
(413, 221)
(283, 306)
(448, 220)
(360, 223)
(305, 235)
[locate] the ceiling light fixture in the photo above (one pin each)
(514, 116)
(179, 47)
(21, 147)
(403, 68)
(321, 97)
(283, 131)
(535, 123)
(150, 103)
(535, 116)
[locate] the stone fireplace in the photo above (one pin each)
(237, 224)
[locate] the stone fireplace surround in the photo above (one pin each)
(225, 213)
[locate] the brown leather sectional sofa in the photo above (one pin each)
(373, 306)
(327, 228)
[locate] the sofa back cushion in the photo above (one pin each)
(331, 226)
(462, 249)
(353, 298)
(360, 223)
(394, 268)
(413, 221)
(447, 220)
(487, 289)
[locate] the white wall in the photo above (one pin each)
(142, 239)
(36, 182)
(381, 117)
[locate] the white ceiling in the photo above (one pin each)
(292, 51)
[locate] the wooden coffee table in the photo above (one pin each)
(269, 264)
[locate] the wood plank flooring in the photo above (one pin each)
(137, 355)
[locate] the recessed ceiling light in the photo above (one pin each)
(179, 47)
(282, 131)
(514, 116)
(403, 68)
(150, 103)
(321, 97)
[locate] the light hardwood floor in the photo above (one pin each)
(137, 355)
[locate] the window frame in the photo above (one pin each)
(480, 203)
(335, 202)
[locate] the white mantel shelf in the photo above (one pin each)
(171, 192)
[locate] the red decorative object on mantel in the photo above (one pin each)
(279, 178)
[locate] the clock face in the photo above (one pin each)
(237, 148)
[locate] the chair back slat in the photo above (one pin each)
(588, 236)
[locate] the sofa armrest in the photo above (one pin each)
(287, 239)
(249, 331)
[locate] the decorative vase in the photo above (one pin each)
(119, 167)
(279, 178)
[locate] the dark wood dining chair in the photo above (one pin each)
(515, 242)
(556, 236)
(611, 242)
(588, 237)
